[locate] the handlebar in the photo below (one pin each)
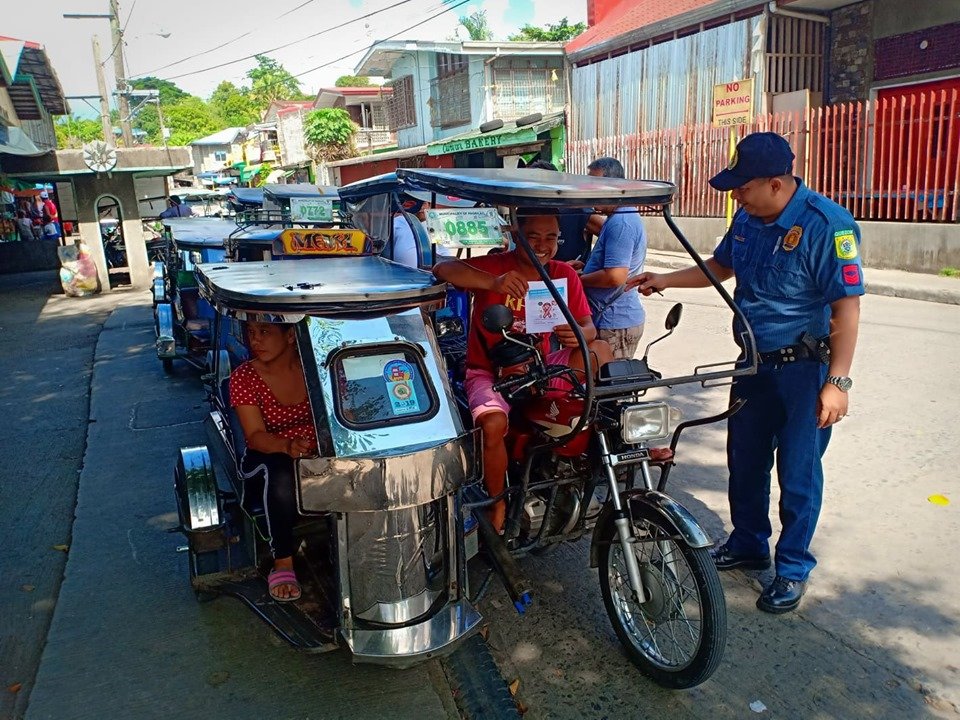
(519, 382)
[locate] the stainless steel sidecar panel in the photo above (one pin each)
(404, 647)
(387, 483)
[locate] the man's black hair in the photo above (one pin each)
(175, 199)
(608, 167)
(541, 165)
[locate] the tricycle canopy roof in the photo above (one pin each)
(199, 231)
(390, 183)
(333, 285)
(299, 190)
(536, 188)
(247, 196)
(255, 234)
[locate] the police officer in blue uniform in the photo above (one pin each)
(795, 256)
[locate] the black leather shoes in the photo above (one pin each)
(726, 560)
(781, 596)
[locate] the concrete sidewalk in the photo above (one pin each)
(128, 638)
(893, 283)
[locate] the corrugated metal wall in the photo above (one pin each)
(665, 85)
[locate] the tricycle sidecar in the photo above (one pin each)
(182, 319)
(379, 528)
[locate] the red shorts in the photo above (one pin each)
(482, 398)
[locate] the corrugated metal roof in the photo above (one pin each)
(35, 84)
(631, 15)
(223, 137)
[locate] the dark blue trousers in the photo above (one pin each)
(778, 422)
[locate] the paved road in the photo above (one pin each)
(877, 633)
(46, 357)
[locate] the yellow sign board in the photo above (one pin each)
(324, 241)
(733, 103)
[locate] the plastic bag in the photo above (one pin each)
(78, 272)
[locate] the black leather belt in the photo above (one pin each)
(788, 354)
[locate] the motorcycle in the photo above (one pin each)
(581, 461)
(658, 583)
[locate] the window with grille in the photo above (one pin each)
(450, 91)
(401, 110)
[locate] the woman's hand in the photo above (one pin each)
(300, 447)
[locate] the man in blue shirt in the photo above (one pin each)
(795, 256)
(619, 253)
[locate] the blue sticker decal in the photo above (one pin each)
(398, 375)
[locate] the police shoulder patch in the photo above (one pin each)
(792, 238)
(846, 244)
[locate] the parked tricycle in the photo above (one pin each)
(378, 529)
(182, 319)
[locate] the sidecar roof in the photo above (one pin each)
(536, 188)
(199, 232)
(299, 190)
(333, 285)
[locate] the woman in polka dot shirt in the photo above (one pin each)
(269, 394)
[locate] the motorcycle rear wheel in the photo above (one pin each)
(677, 637)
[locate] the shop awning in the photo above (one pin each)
(15, 141)
(248, 172)
(509, 134)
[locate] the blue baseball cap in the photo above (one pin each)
(761, 154)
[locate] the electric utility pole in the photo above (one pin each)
(116, 35)
(123, 102)
(104, 98)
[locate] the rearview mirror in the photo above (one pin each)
(673, 317)
(497, 318)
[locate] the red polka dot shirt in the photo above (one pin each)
(286, 421)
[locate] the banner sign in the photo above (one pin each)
(324, 241)
(311, 209)
(733, 103)
(464, 227)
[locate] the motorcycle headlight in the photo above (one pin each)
(647, 421)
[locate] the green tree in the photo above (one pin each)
(329, 134)
(270, 81)
(554, 32)
(170, 94)
(477, 26)
(190, 119)
(73, 132)
(352, 81)
(233, 105)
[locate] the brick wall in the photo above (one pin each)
(851, 53)
(918, 52)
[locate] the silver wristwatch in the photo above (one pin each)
(844, 383)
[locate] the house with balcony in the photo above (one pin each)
(456, 104)
(367, 107)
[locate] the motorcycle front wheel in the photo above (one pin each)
(677, 637)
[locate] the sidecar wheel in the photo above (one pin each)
(678, 635)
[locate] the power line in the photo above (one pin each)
(446, 9)
(285, 45)
(221, 45)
